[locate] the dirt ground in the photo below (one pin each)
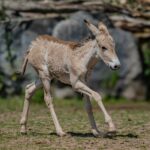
(132, 121)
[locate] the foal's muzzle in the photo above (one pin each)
(114, 65)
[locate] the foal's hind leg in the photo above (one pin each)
(30, 90)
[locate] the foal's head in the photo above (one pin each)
(106, 50)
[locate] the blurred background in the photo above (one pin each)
(21, 21)
(126, 92)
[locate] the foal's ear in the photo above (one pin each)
(92, 28)
(102, 28)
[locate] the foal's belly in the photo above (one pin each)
(62, 77)
(65, 78)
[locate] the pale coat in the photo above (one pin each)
(70, 63)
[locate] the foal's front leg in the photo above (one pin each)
(88, 107)
(81, 87)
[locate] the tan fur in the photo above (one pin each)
(72, 45)
(70, 63)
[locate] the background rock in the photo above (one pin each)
(102, 79)
(75, 29)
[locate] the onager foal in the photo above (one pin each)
(70, 63)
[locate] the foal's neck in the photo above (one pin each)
(87, 54)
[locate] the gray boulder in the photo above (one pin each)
(120, 83)
(73, 28)
(130, 69)
(18, 37)
(110, 82)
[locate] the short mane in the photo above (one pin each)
(72, 45)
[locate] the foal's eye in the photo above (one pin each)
(104, 48)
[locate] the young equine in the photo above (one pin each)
(70, 63)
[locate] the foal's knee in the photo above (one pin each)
(96, 96)
(77, 85)
(29, 91)
(48, 100)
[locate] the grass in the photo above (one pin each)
(131, 118)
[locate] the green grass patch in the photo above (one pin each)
(131, 119)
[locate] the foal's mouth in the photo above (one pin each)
(115, 67)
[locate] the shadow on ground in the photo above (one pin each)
(87, 135)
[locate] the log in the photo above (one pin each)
(127, 17)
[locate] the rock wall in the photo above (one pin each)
(125, 82)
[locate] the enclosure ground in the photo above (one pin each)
(132, 121)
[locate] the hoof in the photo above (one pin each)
(23, 130)
(97, 133)
(61, 133)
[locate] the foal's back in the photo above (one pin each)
(53, 54)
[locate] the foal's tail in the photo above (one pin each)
(23, 69)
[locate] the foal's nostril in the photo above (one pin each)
(116, 66)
